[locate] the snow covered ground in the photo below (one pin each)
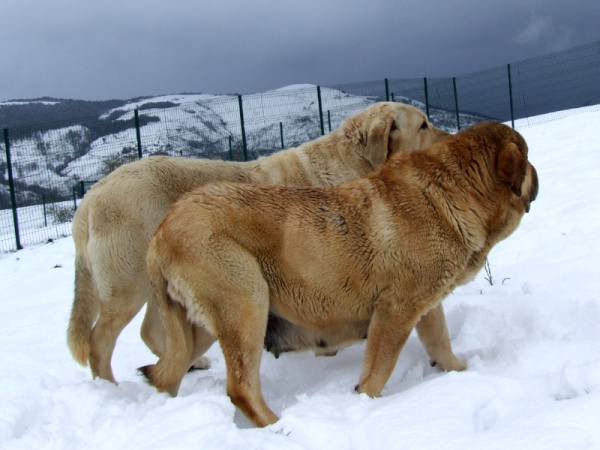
(531, 341)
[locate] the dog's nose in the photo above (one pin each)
(534, 185)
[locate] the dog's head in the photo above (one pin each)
(386, 128)
(479, 177)
(506, 154)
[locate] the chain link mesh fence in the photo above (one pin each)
(46, 170)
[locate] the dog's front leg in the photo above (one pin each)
(433, 333)
(389, 329)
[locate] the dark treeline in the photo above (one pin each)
(36, 111)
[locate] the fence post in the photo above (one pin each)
(244, 145)
(387, 91)
(426, 97)
(11, 185)
(456, 104)
(320, 110)
(74, 198)
(45, 215)
(230, 149)
(329, 119)
(281, 134)
(392, 95)
(510, 94)
(137, 133)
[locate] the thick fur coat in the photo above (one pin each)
(368, 258)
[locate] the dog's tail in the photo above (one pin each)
(86, 304)
(167, 373)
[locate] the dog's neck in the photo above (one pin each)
(332, 164)
(447, 189)
(472, 175)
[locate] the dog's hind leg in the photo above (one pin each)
(152, 331)
(178, 347)
(115, 313)
(241, 333)
(166, 375)
(153, 334)
(239, 303)
(433, 333)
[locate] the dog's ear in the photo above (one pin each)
(512, 167)
(376, 148)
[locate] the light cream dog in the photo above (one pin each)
(117, 217)
(365, 258)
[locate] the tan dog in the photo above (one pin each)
(366, 258)
(116, 219)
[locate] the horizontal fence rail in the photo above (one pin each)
(47, 169)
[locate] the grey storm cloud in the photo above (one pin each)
(123, 49)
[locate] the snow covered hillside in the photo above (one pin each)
(53, 160)
(531, 341)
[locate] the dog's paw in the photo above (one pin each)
(451, 363)
(202, 363)
(145, 372)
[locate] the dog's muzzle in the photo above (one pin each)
(533, 189)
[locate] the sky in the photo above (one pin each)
(530, 340)
(118, 49)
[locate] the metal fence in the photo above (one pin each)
(46, 169)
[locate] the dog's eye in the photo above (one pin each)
(424, 126)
